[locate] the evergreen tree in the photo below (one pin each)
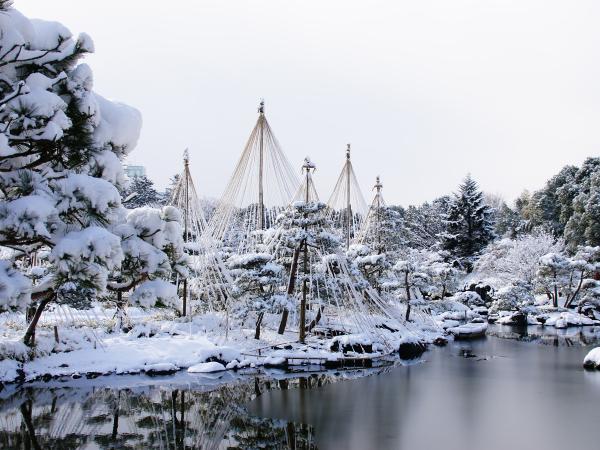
(583, 225)
(257, 284)
(165, 197)
(424, 224)
(469, 223)
(61, 147)
(140, 192)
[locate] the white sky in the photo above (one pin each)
(425, 90)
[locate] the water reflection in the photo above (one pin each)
(180, 412)
(572, 336)
(489, 393)
(152, 416)
(492, 394)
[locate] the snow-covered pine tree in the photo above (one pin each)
(140, 192)
(61, 147)
(469, 227)
(258, 282)
(411, 271)
(153, 249)
(373, 265)
(308, 250)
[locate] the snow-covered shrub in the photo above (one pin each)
(469, 298)
(15, 288)
(155, 293)
(512, 298)
(561, 276)
(516, 260)
(372, 265)
(444, 278)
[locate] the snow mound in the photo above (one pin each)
(566, 319)
(207, 367)
(275, 361)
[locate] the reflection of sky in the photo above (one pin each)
(522, 396)
(504, 89)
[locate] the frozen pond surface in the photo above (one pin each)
(487, 394)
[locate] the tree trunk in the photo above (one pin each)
(315, 321)
(26, 409)
(29, 337)
(570, 300)
(302, 335)
(291, 286)
(407, 287)
(258, 323)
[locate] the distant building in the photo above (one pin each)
(135, 171)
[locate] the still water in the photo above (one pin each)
(493, 393)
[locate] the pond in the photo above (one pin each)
(492, 393)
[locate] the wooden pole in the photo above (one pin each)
(261, 205)
(186, 171)
(378, 186)
(291, 287)
(302, 334)
(348, 205)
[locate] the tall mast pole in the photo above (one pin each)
(378, 187)
(302, 329)
(261, 126)
(186, 213)
(348, 205)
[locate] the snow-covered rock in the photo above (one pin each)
(468, 330)
(207, 367)
(592, 359)
(165, 368)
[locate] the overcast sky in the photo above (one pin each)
(425, 90)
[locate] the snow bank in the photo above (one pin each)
(120, 355)
(567, 318)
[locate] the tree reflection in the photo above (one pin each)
(148, 417)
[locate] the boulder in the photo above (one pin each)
(411, 350)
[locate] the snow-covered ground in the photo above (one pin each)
(159, 343)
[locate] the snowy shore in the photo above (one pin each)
(159, 343)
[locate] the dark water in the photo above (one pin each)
(490, 394)
(487, 394)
